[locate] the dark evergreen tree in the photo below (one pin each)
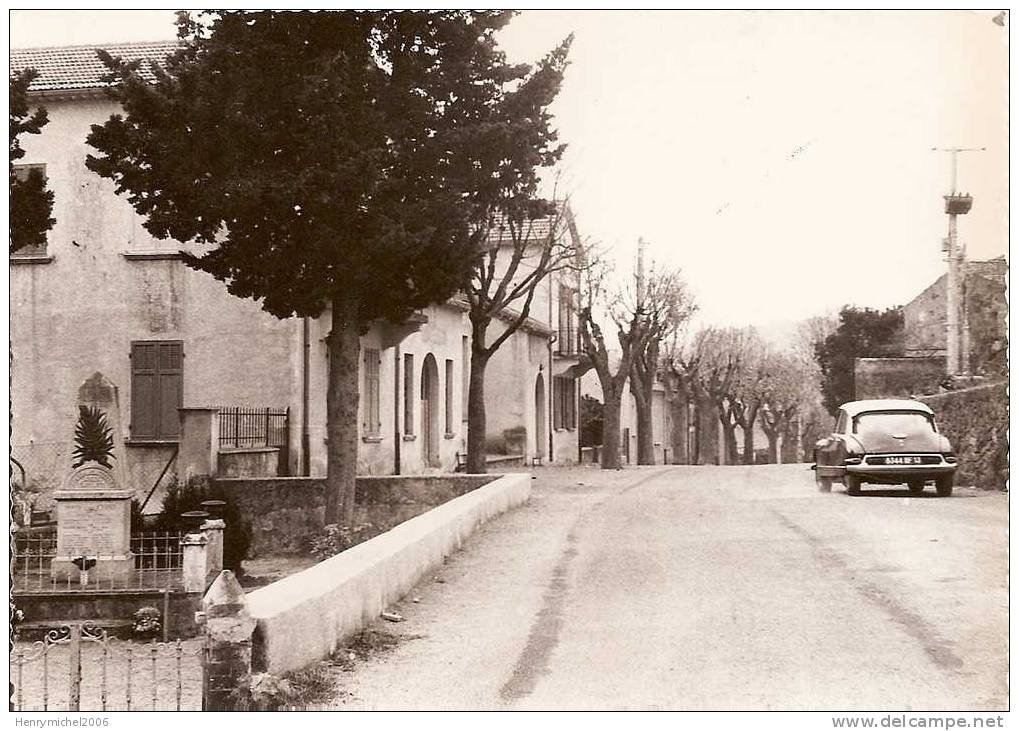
(336, 161)
(861, 333)
(31, 205)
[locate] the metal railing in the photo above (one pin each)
(567, 341)
(156, 558)
(77, 667)
(252, 427)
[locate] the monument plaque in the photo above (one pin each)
(93, 520)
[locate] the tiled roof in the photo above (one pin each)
(537, 229)
(71, 68)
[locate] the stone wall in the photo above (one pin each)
(305, 616)
(975, 420)
(284, 512)
(897, 377)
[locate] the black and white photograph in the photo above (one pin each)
(509, 360)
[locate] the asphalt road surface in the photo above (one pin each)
(708, 588)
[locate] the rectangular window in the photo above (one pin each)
(372, 420)
(157, 369)
(567, 335)
(564, 403)
(408, 393)
(21, 172)
(557, 403)
(449, 396)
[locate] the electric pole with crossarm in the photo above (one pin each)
(956, 337)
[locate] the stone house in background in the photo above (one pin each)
(108, 315)
(984, 311)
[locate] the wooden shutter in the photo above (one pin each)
(449, 396)
(371, 420)
(408, 393)
(143, 390)
(557, 403)
(170, 389)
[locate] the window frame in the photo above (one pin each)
(156, 406)
(33, 253)
(371, 416)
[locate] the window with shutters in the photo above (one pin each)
(449, 397)
(372, 420)
(157, 370)
(408, 394)
(22, 172)
(564, 403)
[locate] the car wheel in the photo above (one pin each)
(944, 484)
(823, 483)
(853, 484)
(916, 487)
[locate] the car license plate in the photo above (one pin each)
(903, 460)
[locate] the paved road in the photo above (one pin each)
(709, 588)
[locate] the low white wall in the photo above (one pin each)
(303, 617)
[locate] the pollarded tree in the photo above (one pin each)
(789, 387)
(666, 305)
(330, 161)
(31, 205)
(627, 315)
(747, 391)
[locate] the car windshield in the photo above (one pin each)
(904, 423)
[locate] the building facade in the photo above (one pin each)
(984, 310)
(107, 314)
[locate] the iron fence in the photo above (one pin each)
(77, 667)
(251, 427)
(156, 563)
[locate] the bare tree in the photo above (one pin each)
(524, 247)
(789, 386)
(666, 305)
(747, 393)
(627, 316)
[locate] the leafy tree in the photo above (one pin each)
(861, 333)
(331, 161)
(31, 205)
(93, 438)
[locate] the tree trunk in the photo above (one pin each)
(748, 444)
(477, 428)
(790, 446)
(707, 430)
(610, 432)
(642, 396)
(729, 437)
(344, 345)
(680, 428)
(773, 447)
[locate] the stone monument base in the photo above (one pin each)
(117, 570)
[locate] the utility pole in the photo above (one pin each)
(956, 204)
(641, 244)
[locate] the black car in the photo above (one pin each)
(885, 442)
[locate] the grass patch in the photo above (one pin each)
(366, 644)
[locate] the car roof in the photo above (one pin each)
(885, 404)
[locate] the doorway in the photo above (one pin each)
(430, 409)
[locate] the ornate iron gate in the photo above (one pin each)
(118, 675)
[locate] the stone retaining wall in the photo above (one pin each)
(976, 422)
(304, 616)
(282, 513)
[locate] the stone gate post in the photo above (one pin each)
(226, 663)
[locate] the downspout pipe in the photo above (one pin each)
(305, 377)
(396, 410)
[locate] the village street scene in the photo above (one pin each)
(509, 361)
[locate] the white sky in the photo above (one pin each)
(782, 159)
